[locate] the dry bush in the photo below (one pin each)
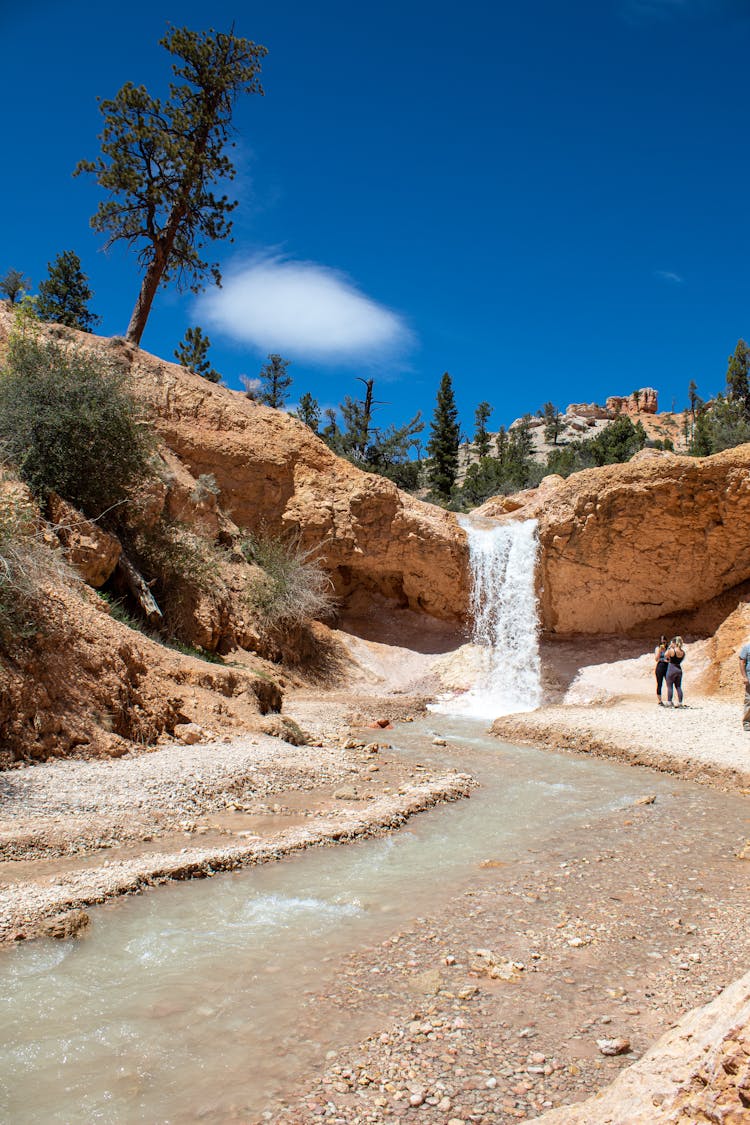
(28, 566)
(294, 589)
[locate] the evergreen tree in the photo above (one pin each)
(444, 441)
(518, 458)
(554, 423)
(737, 376)
(308, 411)
(275, 381)
(163, 158)
(501, 445)
(481, 437)
(64, 295)
(192, 352)
(14, 285)
(700, 445)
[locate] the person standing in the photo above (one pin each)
(744, 657)
(660, 668)
(675, 655)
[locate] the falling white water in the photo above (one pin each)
(506, 627)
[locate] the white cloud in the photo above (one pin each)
(669, 275)
(304, 311)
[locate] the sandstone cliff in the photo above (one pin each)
(274, 474)
(625, 545)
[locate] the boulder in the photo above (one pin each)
(89, 548)
(698, 1071)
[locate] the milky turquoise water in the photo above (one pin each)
(192, 1002)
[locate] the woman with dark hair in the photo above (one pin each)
(660, 669)
(675, 655)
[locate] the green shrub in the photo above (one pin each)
(70, 425)
(295, 588)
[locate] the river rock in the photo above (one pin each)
(69, 924)
(613, 1046)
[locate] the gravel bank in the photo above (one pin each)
(25, 905)
(703, 741)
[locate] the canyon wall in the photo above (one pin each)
(625, 545)
(275, 476)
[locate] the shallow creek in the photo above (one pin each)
(192, 1002)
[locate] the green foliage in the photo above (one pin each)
(701, 442)
(386, 452)
(445, 436)
(275, 382)
(308, 411)
(192, 352)
(481, 437)
(64, 295)
(738, 389)
(721, 426)
(70, 425)
(294, 589)
(554, 423)
(14, 285)
(161, 160)
(179, 565)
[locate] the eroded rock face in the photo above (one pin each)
(89, 548)
(628, 544)
(272, 473)
(644, 401)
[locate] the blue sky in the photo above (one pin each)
(549, 200)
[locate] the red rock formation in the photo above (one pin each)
(644, 401)
(627, 544)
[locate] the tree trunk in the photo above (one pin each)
(139, 589)
(145, 300)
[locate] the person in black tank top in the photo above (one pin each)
(660, 668)
(675, 655)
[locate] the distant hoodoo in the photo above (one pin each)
(505, 621)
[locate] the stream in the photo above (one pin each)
(192, 1002)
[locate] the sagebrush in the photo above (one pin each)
(294, 589)
(27, 566)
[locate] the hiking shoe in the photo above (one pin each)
(746, 726)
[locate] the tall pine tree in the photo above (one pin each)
(64, 295)
(192, 352)
(445, 436)
(275, 382)
(481, 437)
(163, 159)
(737, 376)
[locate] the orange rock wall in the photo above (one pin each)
(627, 544)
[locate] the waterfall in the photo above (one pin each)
(505, 623)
